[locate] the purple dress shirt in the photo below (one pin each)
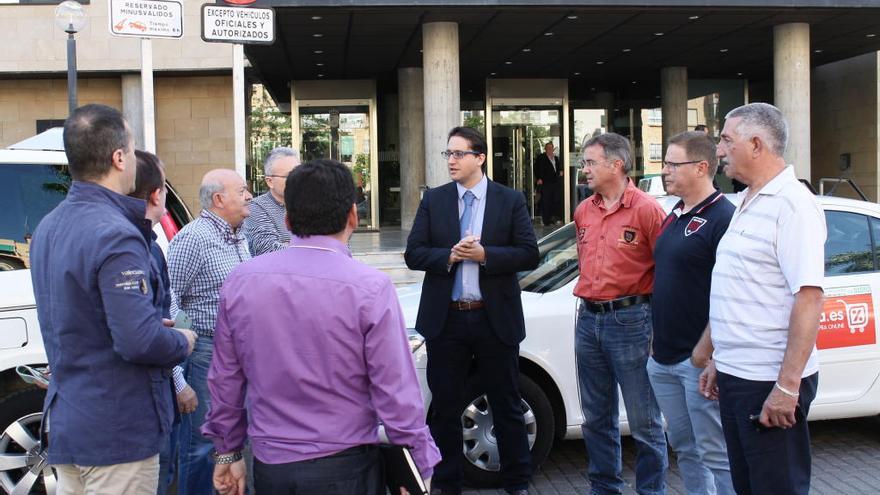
(310, 345)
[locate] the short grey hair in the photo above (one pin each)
(762, 120)
(614, 146)
(207, 191)
(275, 155)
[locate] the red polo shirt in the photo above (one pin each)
(616, 245)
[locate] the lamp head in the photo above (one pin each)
(70, 17)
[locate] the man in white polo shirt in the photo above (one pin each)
(765, 302)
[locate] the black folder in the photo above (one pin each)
(401, 470)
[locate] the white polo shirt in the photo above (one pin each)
(774, 246)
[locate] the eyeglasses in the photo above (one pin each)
(458, 154)
(589, 163)
(678, 164)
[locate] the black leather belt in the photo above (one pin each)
(466, 305)
(615, 304)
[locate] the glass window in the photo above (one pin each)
(654, 152)
(848, 246)
(341, 133)
(655, 116)
(27, 194)
(558, 262)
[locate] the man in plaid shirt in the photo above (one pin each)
(200, 257)
(264, 228)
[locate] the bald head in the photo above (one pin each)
(225, 193)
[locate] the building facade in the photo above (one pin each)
(378, 84)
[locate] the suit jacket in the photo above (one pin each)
(546, 171)
(510, 244)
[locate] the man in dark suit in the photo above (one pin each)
(471, 237)
(548, 175)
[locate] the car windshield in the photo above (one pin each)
(558, 265)
(27, 194)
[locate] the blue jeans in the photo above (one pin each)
(768, 461)
(693, 428)
(612, 349)
(196, 463)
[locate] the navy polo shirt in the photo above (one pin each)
(684, 257)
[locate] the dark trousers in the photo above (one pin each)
(771, 461)
(468, 337)
(355, 471)
(551, 195)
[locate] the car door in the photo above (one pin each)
(849, 354)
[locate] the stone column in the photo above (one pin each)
(132, 107)
(442, 95)
(674, 98)
(791, 90)
(411, 112)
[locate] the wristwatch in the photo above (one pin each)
(227, 458)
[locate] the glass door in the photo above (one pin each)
(519, 137)
(341, 133)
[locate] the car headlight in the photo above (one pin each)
(415, 339)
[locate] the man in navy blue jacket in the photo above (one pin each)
(109, 407)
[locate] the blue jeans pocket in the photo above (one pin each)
(632, 316)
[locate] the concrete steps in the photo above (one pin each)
(392, 263)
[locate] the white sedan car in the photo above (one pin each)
(849, 354)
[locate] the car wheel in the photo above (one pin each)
(23, 467)
(482, 462)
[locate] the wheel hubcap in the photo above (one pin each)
(23, 464)
(480, 444)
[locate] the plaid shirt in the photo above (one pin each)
(200, 257)
(264, 228)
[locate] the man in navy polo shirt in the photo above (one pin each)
(684, 257)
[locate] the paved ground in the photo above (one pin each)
(846, 460)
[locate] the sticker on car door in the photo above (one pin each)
(847, 318)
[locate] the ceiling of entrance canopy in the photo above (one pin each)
(608, 48)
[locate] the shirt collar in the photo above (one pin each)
(776, 184)
(222, 226)
(272, 198)
(479, 190)
(321, 242)
(625, 200)
(699, 207)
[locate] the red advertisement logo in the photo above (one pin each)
(846, 321)
(239, 2)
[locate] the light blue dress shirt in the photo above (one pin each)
(471, 269)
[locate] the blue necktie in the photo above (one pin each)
(464, 226)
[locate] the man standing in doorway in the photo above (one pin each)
(264, 227)
(200, 257)
(109, 404)
(471, 237)
(684, 257)
(548, 175)
(766, 301)
(616, 231)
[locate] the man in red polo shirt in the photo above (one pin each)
(616, 231)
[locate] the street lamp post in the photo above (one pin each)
(71, 18)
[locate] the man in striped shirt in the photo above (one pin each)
(264, 228)
(764, 309)
(200, 257)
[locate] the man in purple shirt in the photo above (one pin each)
(316, 343)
